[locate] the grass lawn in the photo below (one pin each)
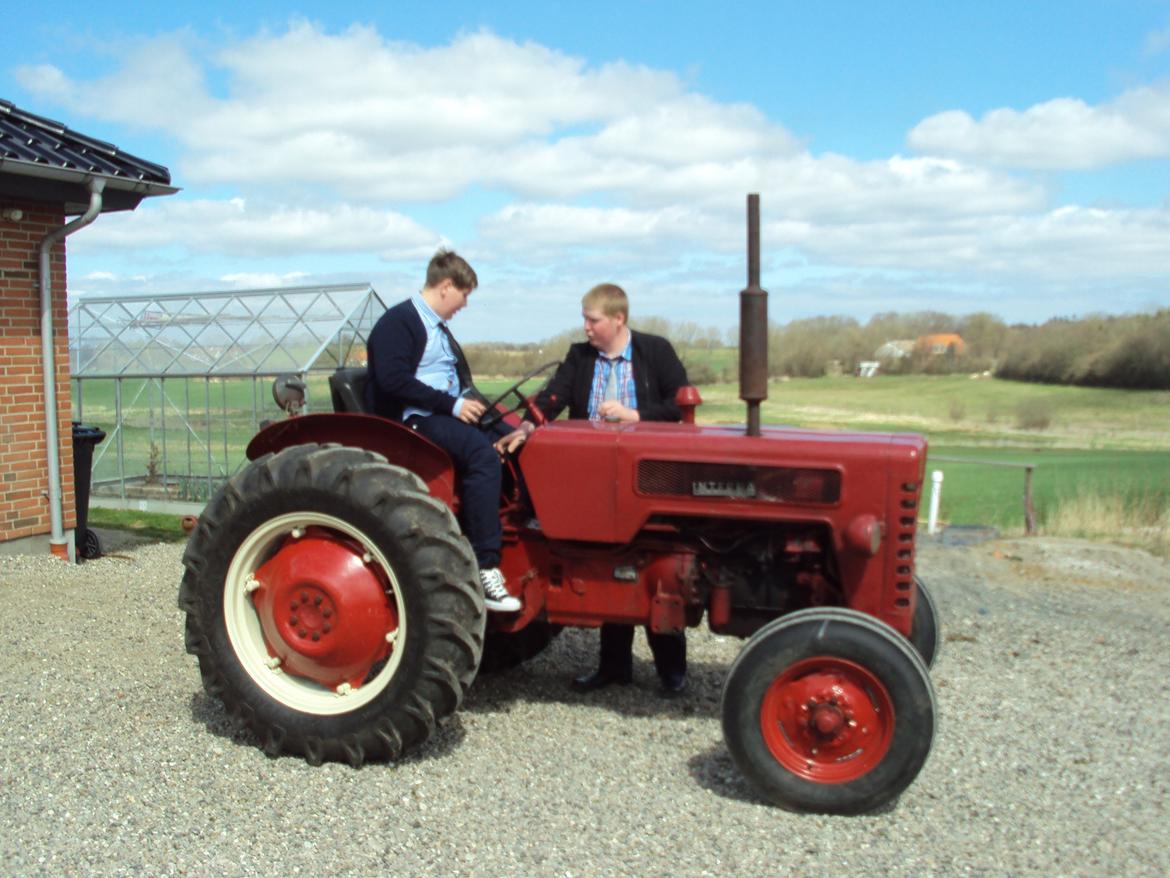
(976, 493)
(955, 407)
(152, 525)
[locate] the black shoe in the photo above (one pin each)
(599, 679)
(673, 684)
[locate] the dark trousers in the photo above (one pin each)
(478, 467)
(617, 644)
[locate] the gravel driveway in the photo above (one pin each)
(1052, 758)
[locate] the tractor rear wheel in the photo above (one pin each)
(333, 604)
(829, 710)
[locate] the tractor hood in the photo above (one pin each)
(603, 482)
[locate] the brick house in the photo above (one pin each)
(53, 182)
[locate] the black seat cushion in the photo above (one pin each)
(348, 388)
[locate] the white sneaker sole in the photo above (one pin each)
(506, 605)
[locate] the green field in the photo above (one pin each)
(1104, 453)
(1089, 446)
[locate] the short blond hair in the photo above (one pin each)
(610, 299)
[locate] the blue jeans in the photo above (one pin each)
(478, 467)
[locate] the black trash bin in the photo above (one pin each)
(84, 439)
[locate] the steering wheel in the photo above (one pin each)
(492, 416)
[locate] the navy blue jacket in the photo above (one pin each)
(394, 350)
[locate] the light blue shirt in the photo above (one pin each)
(437, 367)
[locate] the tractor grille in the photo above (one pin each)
(905, 524)
(674, 478)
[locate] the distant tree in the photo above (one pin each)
(1128, 351)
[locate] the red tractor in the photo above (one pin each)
(334, 604)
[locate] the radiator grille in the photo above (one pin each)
(906, 522)
(674, 478)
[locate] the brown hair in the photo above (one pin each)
(449, 265)
(610, 299)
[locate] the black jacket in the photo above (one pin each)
(658, 374)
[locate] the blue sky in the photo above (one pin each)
(999, 157)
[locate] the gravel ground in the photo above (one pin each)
(1051, 758)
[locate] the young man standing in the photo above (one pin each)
(618, 375)
(418, 375)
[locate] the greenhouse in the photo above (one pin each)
(181, 382)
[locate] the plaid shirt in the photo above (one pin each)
(627, 395)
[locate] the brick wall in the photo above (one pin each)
(24, 483)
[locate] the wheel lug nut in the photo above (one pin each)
(327, 628)
(317, 600)
(303, 633)
(292, 620)
(304, 595)
(327, 612)
(293, 605)
(316, 636)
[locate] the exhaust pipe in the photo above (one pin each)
(753, 326)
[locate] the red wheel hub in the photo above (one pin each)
(325, 612)
(827, 720)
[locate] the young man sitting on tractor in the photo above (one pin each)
(618, 375)
(419, 375)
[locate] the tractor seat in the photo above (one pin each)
(348, 389)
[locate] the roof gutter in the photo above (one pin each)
(68, 175)
(57, 542)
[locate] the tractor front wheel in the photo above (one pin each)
(925, 626)
(333, 604)
(829, 710)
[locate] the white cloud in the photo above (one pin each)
(548, 228)
(237, 228)
(371, 120)
(260, 279)
(1157, 42)
(1068, 243)
(1064, 133)
(378, 119)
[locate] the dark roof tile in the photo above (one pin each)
(30, 138)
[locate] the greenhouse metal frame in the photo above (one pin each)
(175, 379)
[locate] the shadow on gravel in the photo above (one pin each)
(715, 771)
(536, 681)
(210, 712)
(961, 535)
(545, 679)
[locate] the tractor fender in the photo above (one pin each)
(399, 444)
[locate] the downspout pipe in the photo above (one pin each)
(57, 542)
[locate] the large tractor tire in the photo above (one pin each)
(925, 626)
(503, 651)
(829, 710)
(333, 605)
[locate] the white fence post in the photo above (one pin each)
(936, 480)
